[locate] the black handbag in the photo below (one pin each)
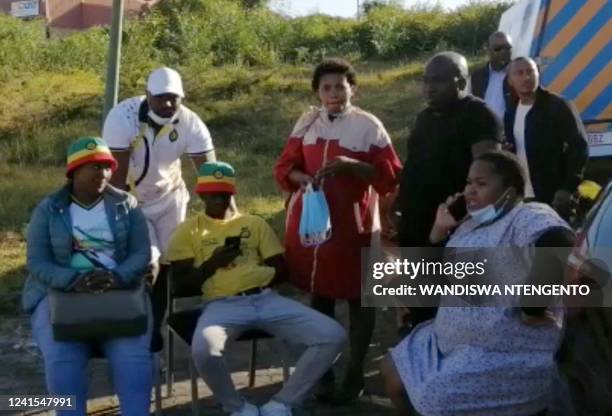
(97, 316)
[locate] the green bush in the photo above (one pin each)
(20, 44)
(391, 32)
(468, 28)
(204, 33)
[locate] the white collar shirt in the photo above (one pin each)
(155, 159)
(494, 95)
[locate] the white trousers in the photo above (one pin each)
(163, 216)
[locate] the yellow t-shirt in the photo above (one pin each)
(199, 236)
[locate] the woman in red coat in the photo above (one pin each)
(346, 152)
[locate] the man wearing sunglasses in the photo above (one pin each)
(490, 81)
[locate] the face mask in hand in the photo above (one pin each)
(162, 121)
(490, 212)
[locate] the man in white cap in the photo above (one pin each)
(147, 136)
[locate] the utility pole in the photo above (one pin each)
(358, 10)
(114, 59)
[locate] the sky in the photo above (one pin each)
(344, 8)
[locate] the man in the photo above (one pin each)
(490, 82)
(147, 136)
(547, 135)
(233, 259)
(448, 133)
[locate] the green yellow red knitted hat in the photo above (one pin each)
(216, 177)
(88, 150)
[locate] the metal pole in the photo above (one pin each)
(114, 58)
(47, 19)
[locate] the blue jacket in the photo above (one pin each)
(49, 243)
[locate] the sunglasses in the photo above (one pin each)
(502, 48)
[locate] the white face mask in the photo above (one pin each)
(162, 121)
(485, 214)
(489, 212)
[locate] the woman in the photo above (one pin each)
(348, 154)
(88, 237)
(491, 361)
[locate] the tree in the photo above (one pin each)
(368, 5)
(251, 4)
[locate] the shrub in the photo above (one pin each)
(201, 33)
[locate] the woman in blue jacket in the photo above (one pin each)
(88, 237)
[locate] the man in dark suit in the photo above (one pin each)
(489, 81)
(547, 135)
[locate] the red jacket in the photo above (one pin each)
(333, 269)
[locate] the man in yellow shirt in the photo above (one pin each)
(234, 259)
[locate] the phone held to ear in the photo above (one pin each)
(232, 242)
(458, 209)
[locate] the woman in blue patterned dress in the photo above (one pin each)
(484, 361)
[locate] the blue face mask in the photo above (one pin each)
(315, 222)
(485, 214)
(489, 212)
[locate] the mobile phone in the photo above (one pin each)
(458, 209)
(232, 242)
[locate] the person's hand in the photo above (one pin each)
(95, 281)
(99, 281)
(507, 146)
(300, 178)
(444, 222)
(562, 203)
(80, 285)
(341, 166)
(223, 256)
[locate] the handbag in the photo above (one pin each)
(115, 313)
(315, 222)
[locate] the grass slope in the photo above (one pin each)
(249, 112)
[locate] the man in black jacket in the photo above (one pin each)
(448, 134)
(490, 81)
(546, 133)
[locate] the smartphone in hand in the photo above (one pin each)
(232, 242)
(458, 208)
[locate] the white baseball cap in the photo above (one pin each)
(165, 81)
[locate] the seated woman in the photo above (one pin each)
(88, 237)
(492, 361)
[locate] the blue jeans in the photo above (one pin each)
(66, 366)
(222, 320)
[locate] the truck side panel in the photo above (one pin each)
(574, 49)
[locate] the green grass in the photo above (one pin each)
(12, 271)
(250, 112)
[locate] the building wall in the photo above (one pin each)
(66, 13)
(82, 14)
